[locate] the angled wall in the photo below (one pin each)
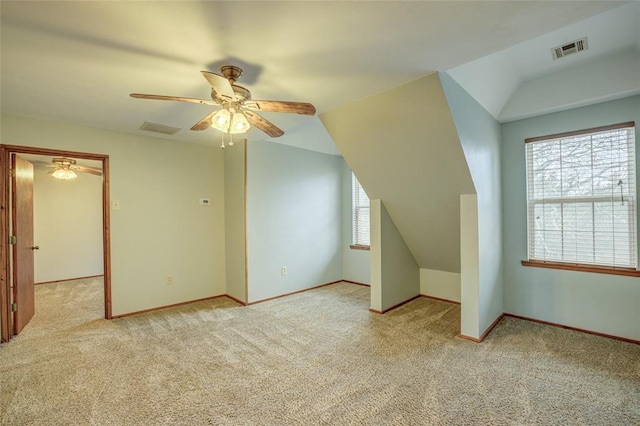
(403, 147)
(480, 137)
(419, 148)
(395, 276)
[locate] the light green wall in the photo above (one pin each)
(234, 220)
(479, 135)
(355, 263)
(294, 219)
(604, 303)
(161, 229)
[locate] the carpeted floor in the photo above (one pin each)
(317, 357)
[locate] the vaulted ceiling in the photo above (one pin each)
(525, 80)
(77, 62)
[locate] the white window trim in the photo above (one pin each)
(628, 269)
(360, 236)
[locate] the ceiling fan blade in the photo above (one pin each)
(282, 106)
(262, 124)
(43, 164)
(173, 98)
(205, 123)
(221, 85)
(89, 170)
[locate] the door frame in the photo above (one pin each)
(5, 181)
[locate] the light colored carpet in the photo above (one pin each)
(317, 357)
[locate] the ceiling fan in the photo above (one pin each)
(238, 109)
(65, 168)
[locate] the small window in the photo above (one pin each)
(360, 214)
(581, 196)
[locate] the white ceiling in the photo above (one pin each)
(77, 62)
(613, 37)
(39, 160)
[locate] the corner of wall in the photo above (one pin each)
(293, 211)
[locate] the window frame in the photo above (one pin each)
(568, 265)
(356, 207)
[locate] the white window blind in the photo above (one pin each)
(360, 212)
(581, 195)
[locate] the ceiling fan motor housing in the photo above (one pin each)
(242, 94)
(63, 161)
(231, 72)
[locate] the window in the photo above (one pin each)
(581, 196)
(360, 214)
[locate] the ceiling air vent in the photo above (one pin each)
(159, 128)
(569, 48)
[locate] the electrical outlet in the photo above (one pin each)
(169, 280)
(283, 271)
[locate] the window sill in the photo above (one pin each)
(582, 268)
(359, 247)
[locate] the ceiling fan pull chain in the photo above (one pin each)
(222, 136)
(231, 116)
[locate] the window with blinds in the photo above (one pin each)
(360, 213)
(581, 195)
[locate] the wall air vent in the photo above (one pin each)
(159, 128)
(569, 48)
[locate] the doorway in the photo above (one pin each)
(8, 272)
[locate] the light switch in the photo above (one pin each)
(205, 201)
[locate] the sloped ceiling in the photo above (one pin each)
(524, 80)
(403, 146)
(77, 62)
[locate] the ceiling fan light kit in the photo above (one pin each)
(237, 113)
(66, 168)
(230, 121)
(63, 168)
(64, 174)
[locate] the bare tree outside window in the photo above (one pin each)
(581, 197)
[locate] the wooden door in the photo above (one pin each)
(22, 221)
